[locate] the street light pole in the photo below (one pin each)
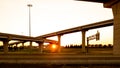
(29, 5)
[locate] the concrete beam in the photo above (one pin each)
(18, 37)
(80, 28)
(99, 1)
(50, 41)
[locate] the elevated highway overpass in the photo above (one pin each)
(76, 59)
(23, 38)
(18, 37)
(83, 28)
(80, 28)
(40, 39)
(44, 40)
(115, 6)
(5, 38)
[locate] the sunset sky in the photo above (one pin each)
(49, 16)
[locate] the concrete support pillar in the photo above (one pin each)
(22, 44)
(59, 43)
(16, 44)
(116, 13)
(83, 40)
(40, 46)
(30, 47)
(5, 45)
(17, 47)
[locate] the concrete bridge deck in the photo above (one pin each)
(17, 37)
(80, 28)
(22, 38)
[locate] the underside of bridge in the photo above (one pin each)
(99, 1)
(106, 3)
(115, 5)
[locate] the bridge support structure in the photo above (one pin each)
(40, 44)
(30, 46)
(23, 44)
(16, 44)
(5, 45)
(59, 43)
(83, 40)
(115, 5)
(116, 13)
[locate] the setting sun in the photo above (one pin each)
(54, 46)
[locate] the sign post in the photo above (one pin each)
(95, 36)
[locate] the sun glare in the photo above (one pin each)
(53, 46)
